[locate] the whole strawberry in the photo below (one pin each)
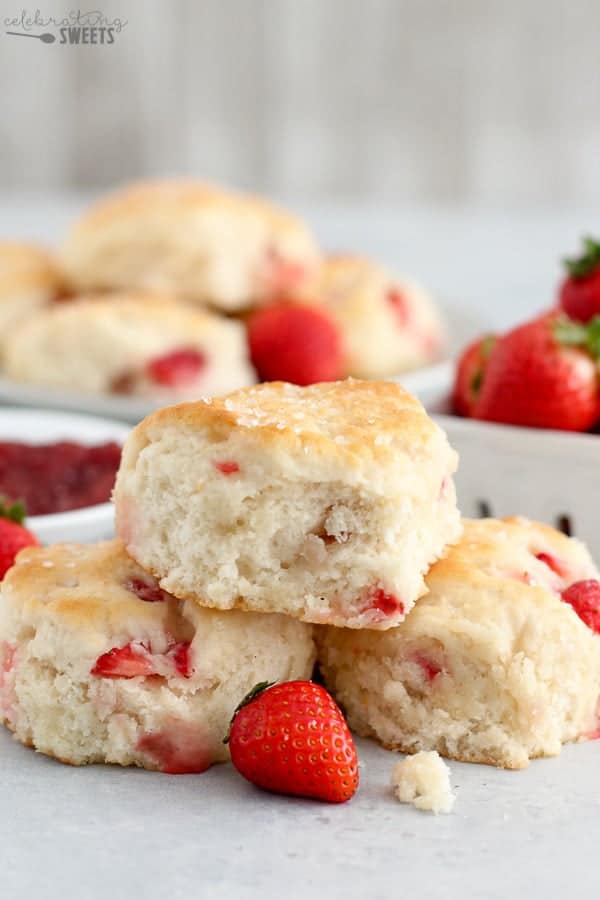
(544, 374)
(470, 372)
(292, 342)
(291, 738)
(580, 291)
(13, 535)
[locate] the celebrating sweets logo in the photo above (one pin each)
(77, 27)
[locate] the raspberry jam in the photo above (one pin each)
(51, 478)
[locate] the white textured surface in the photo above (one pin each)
(112, 834)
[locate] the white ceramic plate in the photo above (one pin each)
(93, 523)
(127, 409)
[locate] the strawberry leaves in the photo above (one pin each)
(252, 694)
(589, 260)
(577, 334)
(14, 513)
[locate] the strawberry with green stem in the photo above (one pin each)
(544, 374)
(470, 372)
(291, 738)
(579, 295)
(13, 535)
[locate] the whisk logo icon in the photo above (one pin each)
(77, 27)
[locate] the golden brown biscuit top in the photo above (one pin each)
(496, 584)
(493, 594)
(86, 584)
(374, 419)
(518, 550)
(172, 198)
(338, 266)
(28, 267)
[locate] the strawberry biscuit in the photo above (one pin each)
(388, 324)
(328, 502)
(141, 344)
(494, 665)
(29, 278)
(97, 664)
(201, 241)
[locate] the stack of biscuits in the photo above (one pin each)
(258, 529)
(156, 284)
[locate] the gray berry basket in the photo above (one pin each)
(551, 476)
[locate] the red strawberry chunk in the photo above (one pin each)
(584, 597)
(400, 305)
(282, 276)
(178, 368)
(149, 593)
(227, 467)
(388, 604)
(124, 662)
(8, 699)
(429, 668)
(181, 655)
(9, 651)
(553, 563)
(180, 750)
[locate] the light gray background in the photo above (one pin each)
(489, 102)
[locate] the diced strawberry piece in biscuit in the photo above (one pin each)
(178, 368)
(124, 662)
(400, 305)
(180, 750)
(282, 276)
(584, 597)
(553, 563)
(429, 668)
(227, 467)
(180, 653)
(149, 593)
(385, 603)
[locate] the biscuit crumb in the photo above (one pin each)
(424, 781)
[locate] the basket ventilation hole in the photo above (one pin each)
(484, 510)
(564, 524)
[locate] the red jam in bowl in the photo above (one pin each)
(52, 478)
